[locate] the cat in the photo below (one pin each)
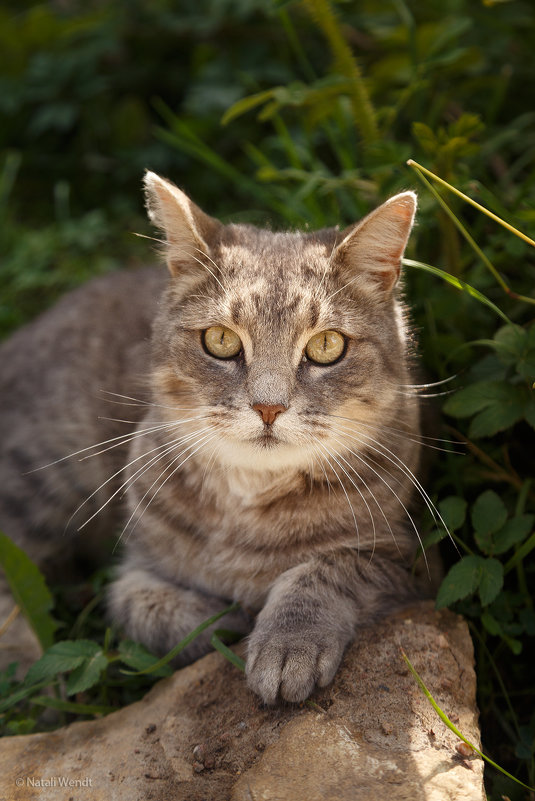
(266, 438)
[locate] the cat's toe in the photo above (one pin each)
(285, 667)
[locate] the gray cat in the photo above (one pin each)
(263, 436)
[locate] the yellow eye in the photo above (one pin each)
(222, 342)
(326, 347)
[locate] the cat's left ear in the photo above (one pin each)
(188, 230)
(373, 249)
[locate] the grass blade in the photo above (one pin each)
(220, 646)
(183, 643)
(468, 199)
(459, 284)
(451, 726)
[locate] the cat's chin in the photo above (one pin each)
(263, 454)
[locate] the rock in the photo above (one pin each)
(201, 735)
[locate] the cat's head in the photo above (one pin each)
(278, 343)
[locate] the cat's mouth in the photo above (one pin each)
(267, 439)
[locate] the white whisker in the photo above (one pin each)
(394, 493)
(347, 499)
(137, 435)
(205, 440)
(386, 453)
(208, 436)
(334, 454)
(154, 405)
(409, 436)
(125, 483)
(122, 437)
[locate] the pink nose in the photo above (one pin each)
(267, 412)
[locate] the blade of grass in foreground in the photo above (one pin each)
(183, 643)
(445, 719)
(456, 282)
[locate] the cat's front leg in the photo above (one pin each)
(310, 616)
(160, 613)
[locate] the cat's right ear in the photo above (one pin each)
(189, 232)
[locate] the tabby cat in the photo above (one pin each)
(253, 409)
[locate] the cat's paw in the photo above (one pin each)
(288, 664)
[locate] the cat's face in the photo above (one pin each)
(280, 340)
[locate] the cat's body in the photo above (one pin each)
(262, 469)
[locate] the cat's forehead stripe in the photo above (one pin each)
(281, 256)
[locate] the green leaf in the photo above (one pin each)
(510, 341)
(529, 412)
(461, 580)
(513, 532)
(87, 674)
(491, 624)
(20, 694)
(453, 511)
(246, 104)
(491, 580)
(29, 590)
(488, 513)
(72, 706)
(497, 417)
(63, 656)
(471, 399)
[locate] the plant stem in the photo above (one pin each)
(467, 199)
(363, 111)
(458, 224)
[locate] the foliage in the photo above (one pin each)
(71, 667)
(312, 126)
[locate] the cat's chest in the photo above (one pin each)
(238, 532)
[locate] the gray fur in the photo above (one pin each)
(304, 521)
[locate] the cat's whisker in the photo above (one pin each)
(418, 439)
(320, 462)
(152, 238)
(171, 446)
(154, 405)
(390, 456)
(415, 394)
(157, 422)
(431, 384)
(123, 437)
(208, 465)
(336, 456)
(327, 266)
(124, 484)
(161, 473)
(137, 435)
(199, 261)
(367, 465)
(204, 441)
(327, 460)
(366, 485)
(218, 268)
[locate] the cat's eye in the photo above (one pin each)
(221, 342)
(325, 347)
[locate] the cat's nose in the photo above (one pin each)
(268, 412)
